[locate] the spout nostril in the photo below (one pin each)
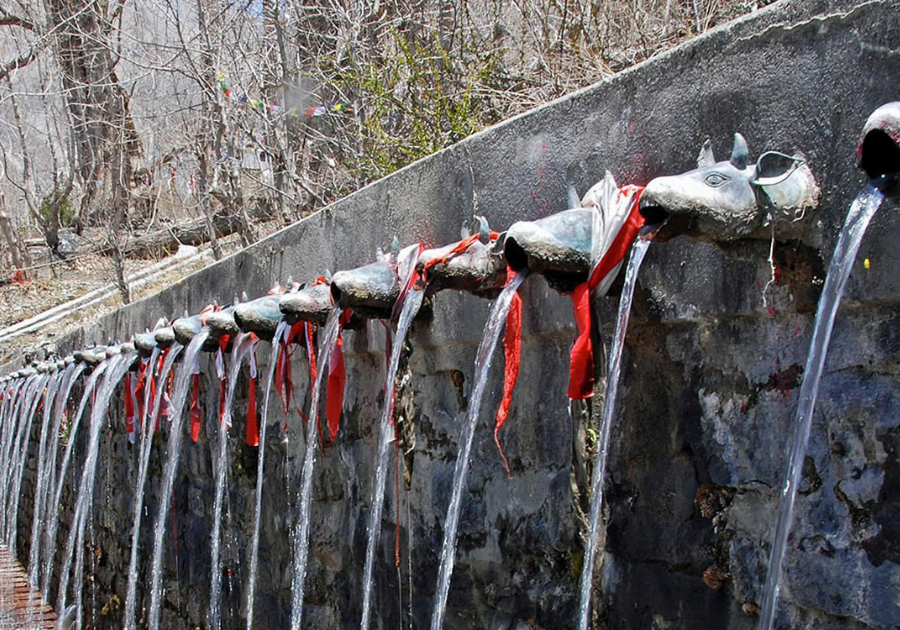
(516, 257)
(879, 154)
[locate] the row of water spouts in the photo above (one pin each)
(394, 289)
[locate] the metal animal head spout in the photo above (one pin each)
(309, 304)
(145, 342)
(185, 328)
(164, 336)
(259, 316)
(879, 148)
(721, 201)
(222, 323)
(370, 290)
(474, 264)
(558, 246)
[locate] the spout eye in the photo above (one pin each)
(715, 179)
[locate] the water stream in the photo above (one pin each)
(861, 211)
(638, 250)
(9, 450)
(21, 451)
(37, 515)
(410, 307)
(72, 434)
(182, 385)
(240, 346)
(483, 358)
(147, 429)
(51, 509)
(301, 534)
(117, 367)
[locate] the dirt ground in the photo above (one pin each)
(51, 286)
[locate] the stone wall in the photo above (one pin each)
(712, 366)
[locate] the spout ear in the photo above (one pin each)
(740, 155)
(774, 167)
(706, 157)
(574, 201)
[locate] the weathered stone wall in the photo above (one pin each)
(710, 379)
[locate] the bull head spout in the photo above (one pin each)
(732, 199)
(879, 148)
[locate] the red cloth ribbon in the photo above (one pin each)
(252, 436)
(139, 390)
(459, 248)
(581, 365)
(284, 383)
(195, 408)
(224, 340)
(512, 347)
(252, 430)
(337, 380)
(129, 408)
(311, 353)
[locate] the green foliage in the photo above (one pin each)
(67, 213)
(416, 99)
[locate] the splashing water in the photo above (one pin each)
(410, 307)
(861, 212)
(37, 518)
(240, 347)
(118, 366)
(147, 429)
(53, 526)
(182, 383)
(638, 249)
(301, 540)
(482, 365)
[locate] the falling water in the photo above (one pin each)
(638, 249)
(241, 345)
(51, 509)
(22, 454)
(301, 541)
(118, 366)
(148, 427)
(53, 525)
(260, 473)
(37, 516)
(15, 419)
(410, 307)
(182, 383)
(861, 211)
(492, 330)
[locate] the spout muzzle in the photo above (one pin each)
(145, 343)
(164, 336)
(311, 304)
(186, 328)
(558, 246)
(479, 270)
(879, 147)
(370, 290)
(260, 316)
(222, 323)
